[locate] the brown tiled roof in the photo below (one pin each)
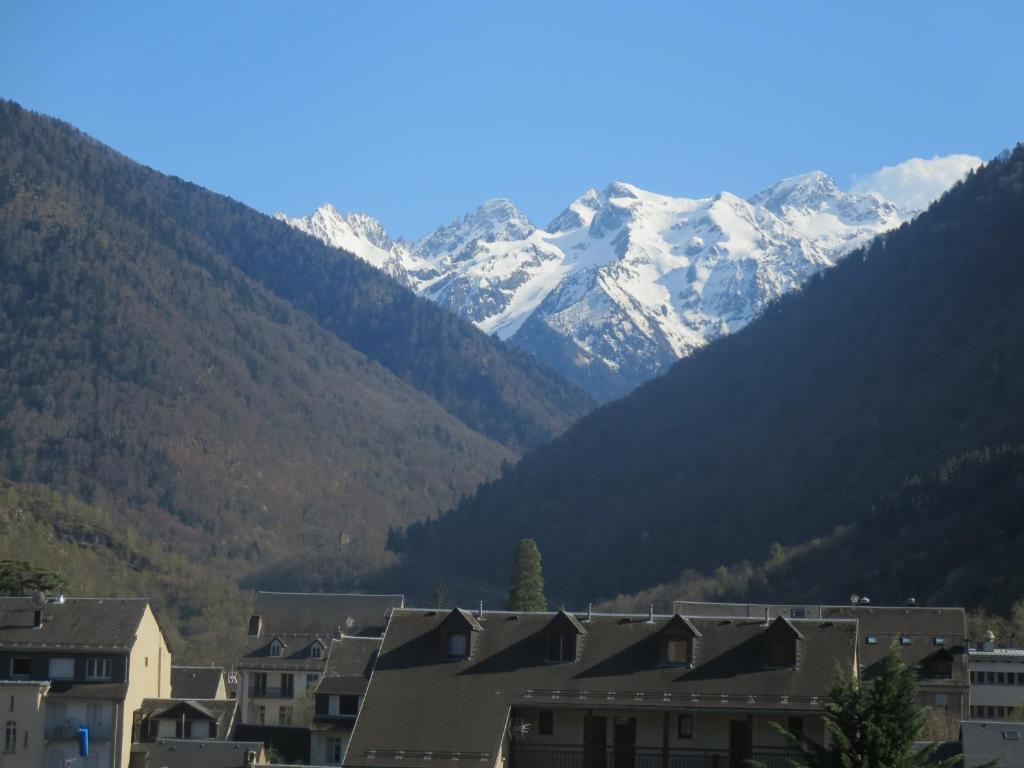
(324, 614)
(349, 664)
(79, 623)
(418, 702)
(196, 682)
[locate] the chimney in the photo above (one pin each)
(989, 643)
(250, 758)
(339, 633)
(480, 611)
(650, 613)
(590, 611)
(767, 616)
(37, 618)
(255, 625)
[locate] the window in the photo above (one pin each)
(97, 669)
(335, 751)
(259, 714)
(677, 650)
(1000, 678)
(940, 640)
(62, 669)
(458, 643)
(21, 667)
(941, 700)
(11, 736)
(798, 613)
(276, 647)
(1011, 735)
(905, 640)
(311, 681)
(561, 647)
(872, 639)
(546, 723)
(316, 651)
(685, 727)
(782, 652)
(284, 716)
(333, 706)
(287, 685)
(259, 684)
(939, 666)
(348, 704)
(990, 678)
(796, 726)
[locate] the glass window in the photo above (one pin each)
(21, 667)
(62, 669)
(546, 723)
(335, 751)
(11, 736)
(782, 652)
(796, 726)
(561, 647)
(284, 716)
(677, 650)
(259, 714)
(1000, 678)
(348, 705)
(287, 684)
(333, 707)
(457, 644)
(872, 639)
(275, 648)
(940, 640)
(905, 640)
(317, 651)
(685, 727)
(97, 669)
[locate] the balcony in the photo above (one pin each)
(69, 730)
(575, 756)
(270, 692)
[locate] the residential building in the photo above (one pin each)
(22, 703)
(992, 742)
(101, 656)
(198, 682)
(203, 719)
(339, 696)
(535, 690)
(997, 681)
(286, 648)
(931, 640)
(171, 753)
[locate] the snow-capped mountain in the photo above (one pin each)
(623, 282)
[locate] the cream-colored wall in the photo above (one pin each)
(149, 677)
(23, 703)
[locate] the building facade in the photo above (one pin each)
(997, 682)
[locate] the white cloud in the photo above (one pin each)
(916, 183)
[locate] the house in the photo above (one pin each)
(997, 680)
(198, 682)
(988, 741)
(286, 647)
(339, 696)
(205, 719)
(171, 753)
(101, 657)
(24, 721)
(931, 640)
(532, 690)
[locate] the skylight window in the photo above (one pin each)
(872, 639)
(1011, 735)
(905, 640)
(940, 640)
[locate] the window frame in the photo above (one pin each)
(566, 648)
(98, 662)
(666, 654)
(546, 717)
(53, 675)
(11, 737)
(453, 637)
(21, 675)
(686, 734)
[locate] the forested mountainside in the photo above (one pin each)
(98, 557)
(140, 369)
(907, 352)
(953, 536)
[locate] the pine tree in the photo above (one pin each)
(526, 586)
(18, 577)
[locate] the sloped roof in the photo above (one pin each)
(349, 664)
(418, 702)
(195, 753)
(324, 614)
(296, 652)
(84, 623)
(985, 740)
(222, 711)
(196, 682)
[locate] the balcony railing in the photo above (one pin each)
(525, 755)
(69, 730)
(270, 692)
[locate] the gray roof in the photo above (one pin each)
(922, 625)
(194, 753)
(349, 664)
(419, 702)
(60, 689)
(984, 741)
(324, 614)
(297, 653)
(196, 682)
(220, 710)
(84, 623)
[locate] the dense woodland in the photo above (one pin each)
(908, 352)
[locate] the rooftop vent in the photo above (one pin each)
(650, 613)
(911, 602)
(480, 611)
(590, 611)
(864, 600)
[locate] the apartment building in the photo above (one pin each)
(997, 681)
(339, 697)
(534, 690)
(87, 663)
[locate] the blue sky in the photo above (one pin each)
(416, 112)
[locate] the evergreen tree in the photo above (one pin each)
(526, 586)
(18, 578)
(871, 725)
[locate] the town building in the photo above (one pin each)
(172, 753)
(198, 682)
(931, 640)
(91, 662)
(992, 743)
(997, 681)
(204, 719)
(339, 697)
(24, 721)
(535, 690)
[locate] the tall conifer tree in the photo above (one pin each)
(526, 585)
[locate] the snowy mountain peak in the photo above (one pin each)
(808, 190)
(579, 213)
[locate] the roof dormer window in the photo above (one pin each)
(562, 637)
(561, 647)
(458, 645)
(677, 644)
(276, 647)
(457, 631)
(316, 650)
(781, 642)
